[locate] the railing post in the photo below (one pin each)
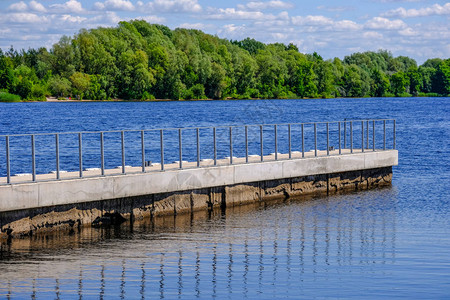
(8, 163)
(339, 129)
(290, 141)
(122, 137)
(303, 140)
(367, 134)
(161, 134)
(215, 146)
(373, 134)
(276, 142)
(315, 139)
(246, 144)
(384, 134)
(33, 158)
(180, 150)
(143, 150)
(394, 134)
(345, 134)
(102, 153)
(351, 136)
(261, 141)
(231, 145)
(80, 154)
(362, 136)
(198, 147)
(57, 155)
(328, 139)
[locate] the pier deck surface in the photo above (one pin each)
(156, 167)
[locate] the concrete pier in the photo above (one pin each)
(45, 205)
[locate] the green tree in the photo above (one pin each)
(251, 45)
(324, 72)
(356, 83)
(432, 63)
(442, 78)
(63, 57)
(427, 74)
(59, 86)
(80, 84)
(399, 81)
(380, 83)
(415, 81)
(7, 76)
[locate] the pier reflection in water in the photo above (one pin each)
(277, 250)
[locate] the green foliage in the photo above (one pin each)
(380, 83)
(427, 74)
(251, 45)
(138, 60)
(432, 63)
(80, 84)
(59, 86)
(442, 78)
(399, 82)
(7, 97)
(198, 91)
(415, 81)
(147, 96)
(37, 93)
(428, 95)
(355, 82)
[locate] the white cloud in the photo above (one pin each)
(372, 35)
(324, 23)
(26, 18)
(152, 19)
(4, 31)
(114, 5)
(312, 21)
(391, 1)
(234, 14)
(199, 26)
(72, 19)
(232, 31)
(335, 8)
(279, 36)
(408, 32)
(19, 6)
(71, 6)
(385, 24)
(175, 6)
(107, 18)
(347, 25)
(36, 6)
(259, 5)
(435, 9)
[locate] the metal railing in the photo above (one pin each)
(155, 149)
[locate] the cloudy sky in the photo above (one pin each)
(416, 28)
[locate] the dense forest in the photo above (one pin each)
(138, 60)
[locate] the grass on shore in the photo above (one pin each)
(7, 97)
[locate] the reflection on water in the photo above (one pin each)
(273, 251)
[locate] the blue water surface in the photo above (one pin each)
(386, 243)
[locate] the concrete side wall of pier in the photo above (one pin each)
(31, 207)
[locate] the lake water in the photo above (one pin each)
(387, 243)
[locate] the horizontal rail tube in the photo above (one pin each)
(188, 128)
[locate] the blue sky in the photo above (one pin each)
(416, 28)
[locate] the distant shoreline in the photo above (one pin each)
(55, 100)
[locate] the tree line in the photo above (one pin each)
(138, 60)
